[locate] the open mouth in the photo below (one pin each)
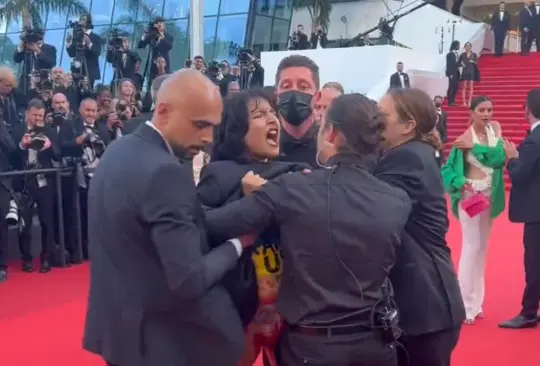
(272, 137)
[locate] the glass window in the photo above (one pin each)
(234, 6)
(122, 14)
(14, 26)
(231, 31)
(3, 28)
(211, 7)
(275, 8)
(176, 9)
(9, 46)
(261, 35)
(56, 37)
(280, 35)
(180, 51)
(107, 74)
(210, 24)
(150, 9)
(142, 52)
(101, 12)
(56, 20)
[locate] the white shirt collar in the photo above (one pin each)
(148, 123)
(534, 125)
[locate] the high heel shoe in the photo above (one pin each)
(468, 322)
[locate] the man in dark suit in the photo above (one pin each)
(160, 43)
(90, 50)
(526, 27)
(34, 56)
(155, 297)
(524, 170)
(400, 79)
(124, 62)
(536, 24)
(452, 72)
(500, 25)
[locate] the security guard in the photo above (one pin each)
(340, 228)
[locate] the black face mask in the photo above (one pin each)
(295, 106)
(438, 105)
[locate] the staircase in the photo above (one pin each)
(506, 80)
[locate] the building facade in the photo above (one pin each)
(262, 25)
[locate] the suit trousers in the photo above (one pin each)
(475, 233)
(531, 295)
(5, 197)
(453, 85)
(499, 42)
(526, 42)
(359, 349)
(431, 349)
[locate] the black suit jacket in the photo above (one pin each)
(127, 67)
(526, 18)
(91, 54)
(498, 26)
(452, 64)
(314, 38)
(133, 124)
(424, 268)
(46, 59)
(525, 176)
(154, 293)
(395, 81)
(442, 126)
(162, 49)
(7, 148)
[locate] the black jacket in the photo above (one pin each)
(424, 268)
(91, 54)
(525, 176)
(395, 81)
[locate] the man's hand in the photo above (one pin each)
(464, 143)
(102, 113)
(47, 144)
(33, 47)
(510, 149)
(251, 182)
(79, 140)
(113, 122)
(25, 142)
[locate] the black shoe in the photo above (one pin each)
(45, 267)
(519, 322)
(3, 275)
(27, 267)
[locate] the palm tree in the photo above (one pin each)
(29, 11)
(319, 10)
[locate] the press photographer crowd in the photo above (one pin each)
(54, 118)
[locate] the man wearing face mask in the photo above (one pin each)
(297, 82)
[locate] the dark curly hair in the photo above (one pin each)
(360, 122)
(229, 135)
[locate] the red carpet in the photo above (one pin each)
(41, 315)
(506, 80)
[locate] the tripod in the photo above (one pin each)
(81, 59)
(29, 59)
(117, 66)
(150, 56)
(244, 79)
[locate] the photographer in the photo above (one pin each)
(319, 38)
(12, 101)
(251, 71)
(84, 47)
(299, 40)
(7, 147)
(160, 44)
(34, 55)
(37, 149)
(123, 60)
(41, 87)
(116, 121)
(227, 79)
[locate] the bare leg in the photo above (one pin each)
(471, 89)
(463, 92)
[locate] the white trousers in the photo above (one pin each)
(475, 233)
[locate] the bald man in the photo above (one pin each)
(12, 101)
(155, 297)
(323, 98)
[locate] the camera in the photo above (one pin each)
(116, 42)
(38, 138)
(58, 118)
(43, 80)
(78, 31)
(12, 216)
(245, 55)
(152, 31)
(213, 68)
(121, 111)
(31, 35)
(93, 140)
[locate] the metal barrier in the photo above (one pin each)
(59, 173)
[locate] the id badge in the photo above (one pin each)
(42, 182)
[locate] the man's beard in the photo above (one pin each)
(185, 154)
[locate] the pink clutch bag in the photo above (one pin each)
(475, 204)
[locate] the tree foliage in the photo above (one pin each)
(319, 10)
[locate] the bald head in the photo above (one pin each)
(59, 103)
(187, 108)
(7, 80)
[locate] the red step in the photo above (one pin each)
(506, 81)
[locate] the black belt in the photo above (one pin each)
(330, 330)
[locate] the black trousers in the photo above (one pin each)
(499, 41)
(531, 295)
(526, 41)
(453, 85)
(360, 349)
(69, 194)
(83, 199)
(43, 197)
(5, 197)
(432, 349)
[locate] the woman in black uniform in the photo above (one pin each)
(468, 61)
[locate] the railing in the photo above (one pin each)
(58, 173)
